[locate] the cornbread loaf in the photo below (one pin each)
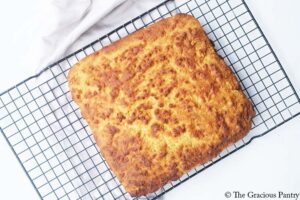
(159, 102)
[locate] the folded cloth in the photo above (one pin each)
(68, 25)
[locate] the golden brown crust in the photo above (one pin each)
(160, 102)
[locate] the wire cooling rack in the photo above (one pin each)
(54, 145)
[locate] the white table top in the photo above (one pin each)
(269, 164)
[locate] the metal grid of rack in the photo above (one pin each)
(54, 145)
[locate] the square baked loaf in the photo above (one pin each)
(160, 102)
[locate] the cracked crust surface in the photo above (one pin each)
(159, 102)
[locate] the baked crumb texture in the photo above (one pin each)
(160, 102)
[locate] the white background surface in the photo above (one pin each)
(269, 164)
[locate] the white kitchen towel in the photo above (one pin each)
(68, 25)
